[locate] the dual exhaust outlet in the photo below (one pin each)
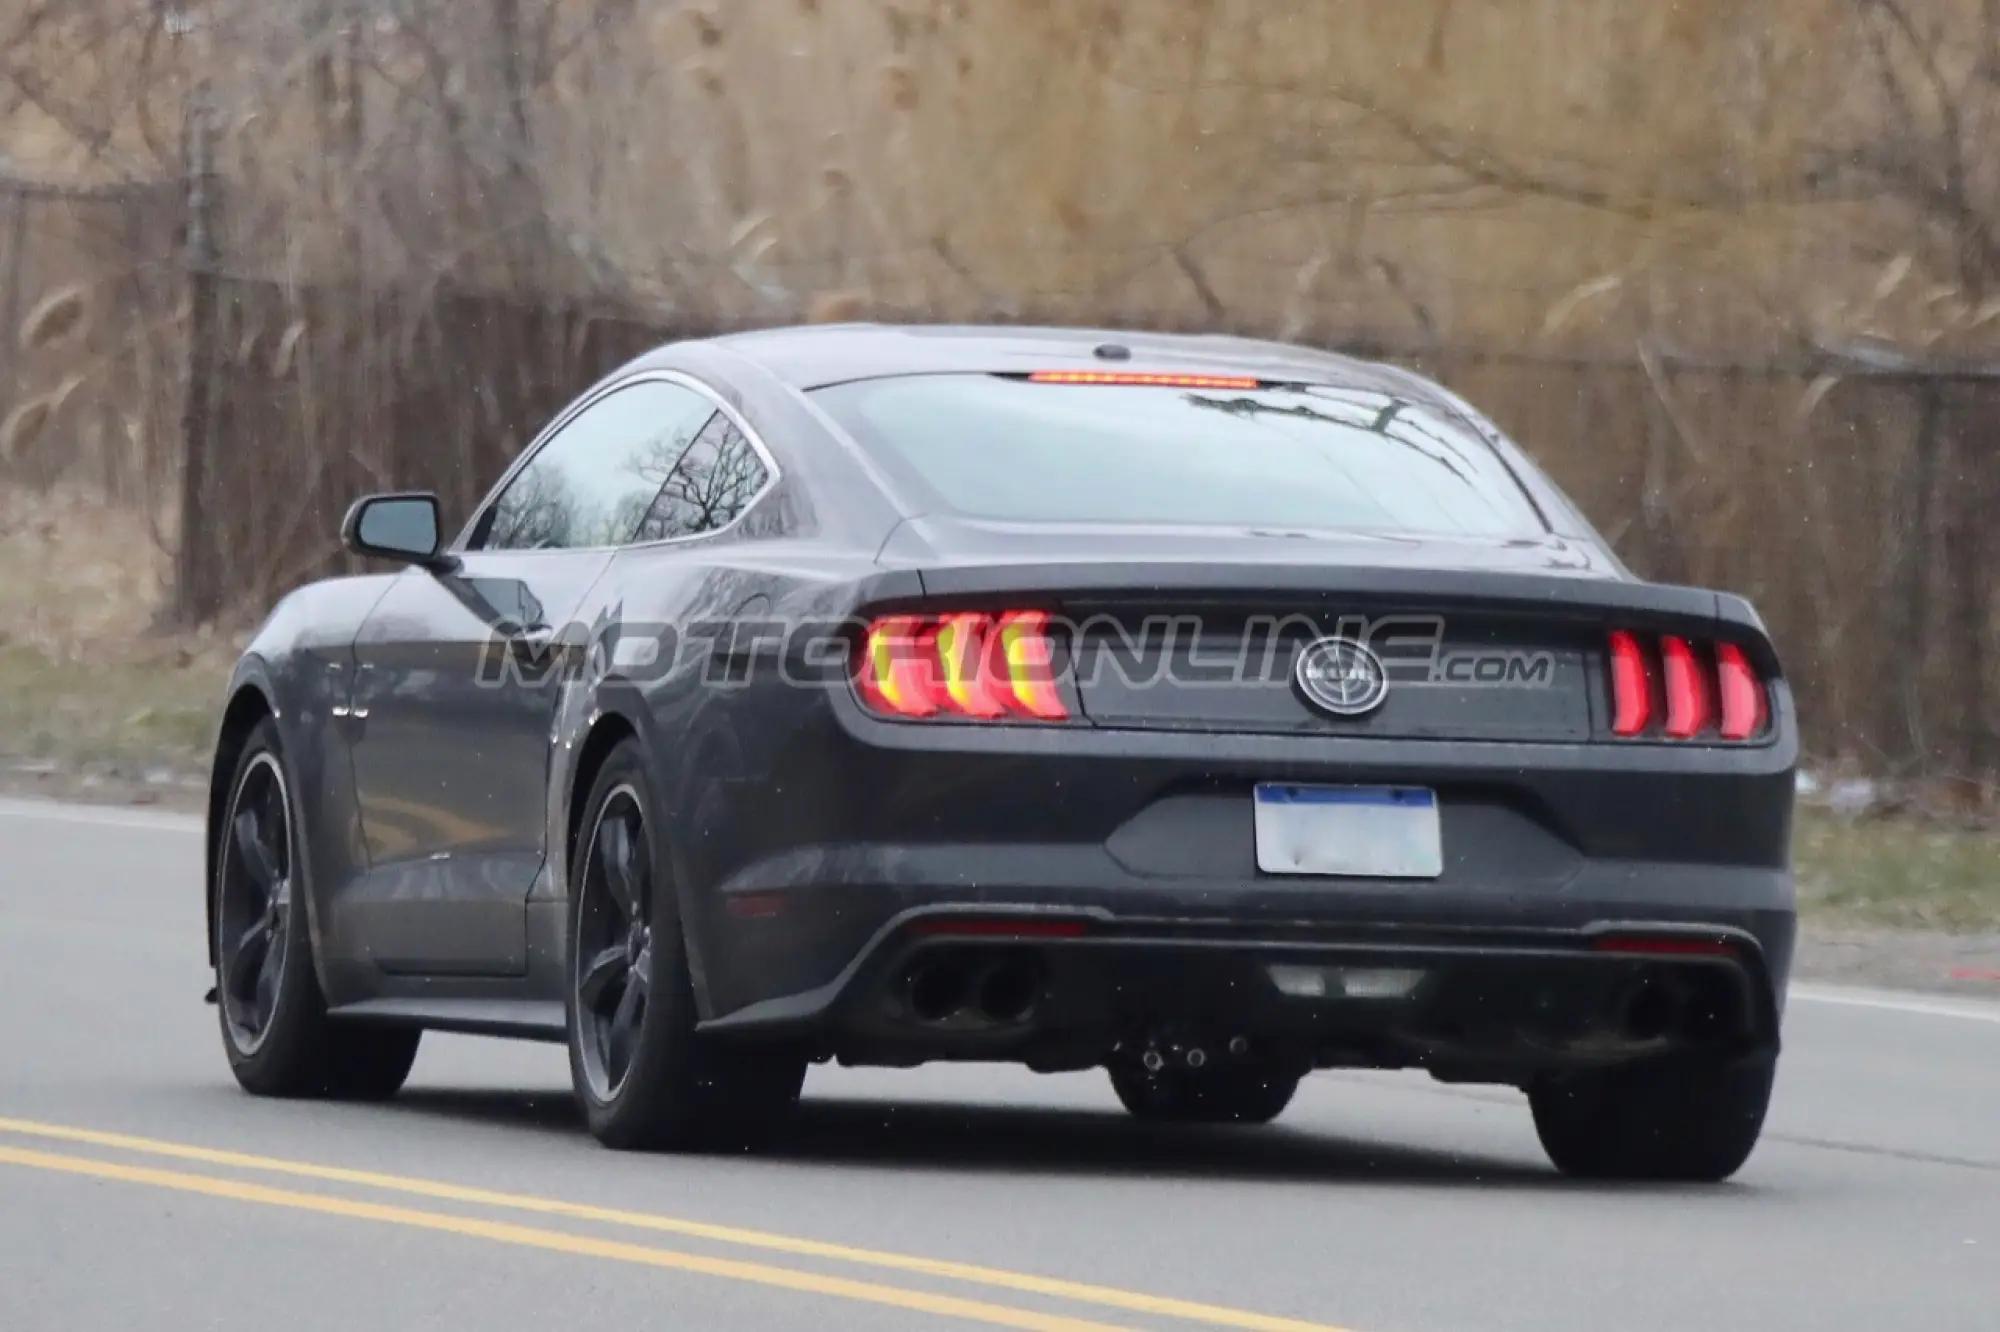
(1000, 988)
(1695, 1009)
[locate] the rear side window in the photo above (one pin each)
(595, 481)
(710, 485)
(1004, 448)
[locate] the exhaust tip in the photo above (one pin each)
(1009, 990)
(1651, 1011)
(936, 990)
(1715, 1012)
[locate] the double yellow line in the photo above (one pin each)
(557, 1241)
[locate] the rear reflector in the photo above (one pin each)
(1675, 690)
(756, 906)
(1143, 380)
(1658, 945)
(963, 666)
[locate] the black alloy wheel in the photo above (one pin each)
(614, 938)
(254, 916)
(275, 1028)
(645, 1077)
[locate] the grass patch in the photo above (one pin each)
(84, 686)
(97, 709)
(1902, 872)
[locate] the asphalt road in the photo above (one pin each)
(140, 1190)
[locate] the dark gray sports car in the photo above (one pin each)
(1205, 710)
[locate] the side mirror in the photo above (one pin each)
(404, 528)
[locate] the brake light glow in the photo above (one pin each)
(1631, 689)
(964, 652)
(895, 678)
(1743, 707)
(1142, 379)
(1707, 698)
(1029, 655)
(1687, 690)
(962, 666)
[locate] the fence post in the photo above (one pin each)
(10, 316)
(196, 590)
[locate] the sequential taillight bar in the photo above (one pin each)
(963, 666)
(1677, 688)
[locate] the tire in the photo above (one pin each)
(1225, 1096)
(275, 1028)
(1683, 1121)
(645, 1080)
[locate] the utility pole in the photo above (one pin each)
(197, 592)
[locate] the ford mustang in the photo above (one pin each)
(1203, 710)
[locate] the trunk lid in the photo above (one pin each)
(1474, 640)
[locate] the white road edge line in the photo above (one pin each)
(1897, 1001)
(1886, 1001)
(102, 816)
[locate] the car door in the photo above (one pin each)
(459, 675)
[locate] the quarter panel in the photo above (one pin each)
(714, 716)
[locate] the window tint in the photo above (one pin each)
(592, 484)
(1286, 457)
(714, 481)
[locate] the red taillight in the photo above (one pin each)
(965, 648)
(1743, 707)
(1631, 689)
(1144, 380)
(966, 665)
(1027, 655)
(1687, 689)
(1720, 698)
(894, 676)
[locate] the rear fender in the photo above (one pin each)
(618, 703)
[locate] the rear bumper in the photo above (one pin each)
(862, 830)
(1493, 993)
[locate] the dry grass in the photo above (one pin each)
(1905, 873)
(1530, 170)
(75, 572)
(82, 681)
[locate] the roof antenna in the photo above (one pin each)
(1112, 351)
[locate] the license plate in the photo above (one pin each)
(1368, 832)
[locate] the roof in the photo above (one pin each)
(814, 356)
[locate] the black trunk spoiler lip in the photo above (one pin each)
(1097, 584)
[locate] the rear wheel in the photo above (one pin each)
(1694, 1121)
(645, 1079)
(275, 1030)
(1220, 1096)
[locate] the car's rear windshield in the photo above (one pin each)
(1271, 457)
